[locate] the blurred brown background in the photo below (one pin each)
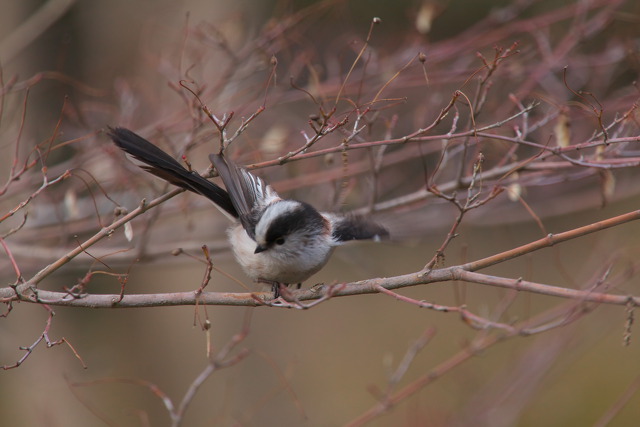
(311, 367)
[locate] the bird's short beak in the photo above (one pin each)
(259, 249)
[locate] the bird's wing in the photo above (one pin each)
(249, 193)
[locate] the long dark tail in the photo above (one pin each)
(162, 165)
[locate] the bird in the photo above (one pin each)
(276, 241)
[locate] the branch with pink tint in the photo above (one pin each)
(473, 320)
(464, 272)
(555, 317)
(49, 343)
(221, 360)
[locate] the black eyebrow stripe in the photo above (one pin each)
(304, 216)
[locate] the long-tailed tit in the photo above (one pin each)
(275, 240)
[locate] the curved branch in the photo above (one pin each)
(466, 272)
(256, 299)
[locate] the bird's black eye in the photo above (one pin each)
(279, 241)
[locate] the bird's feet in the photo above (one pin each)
(275, 287)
